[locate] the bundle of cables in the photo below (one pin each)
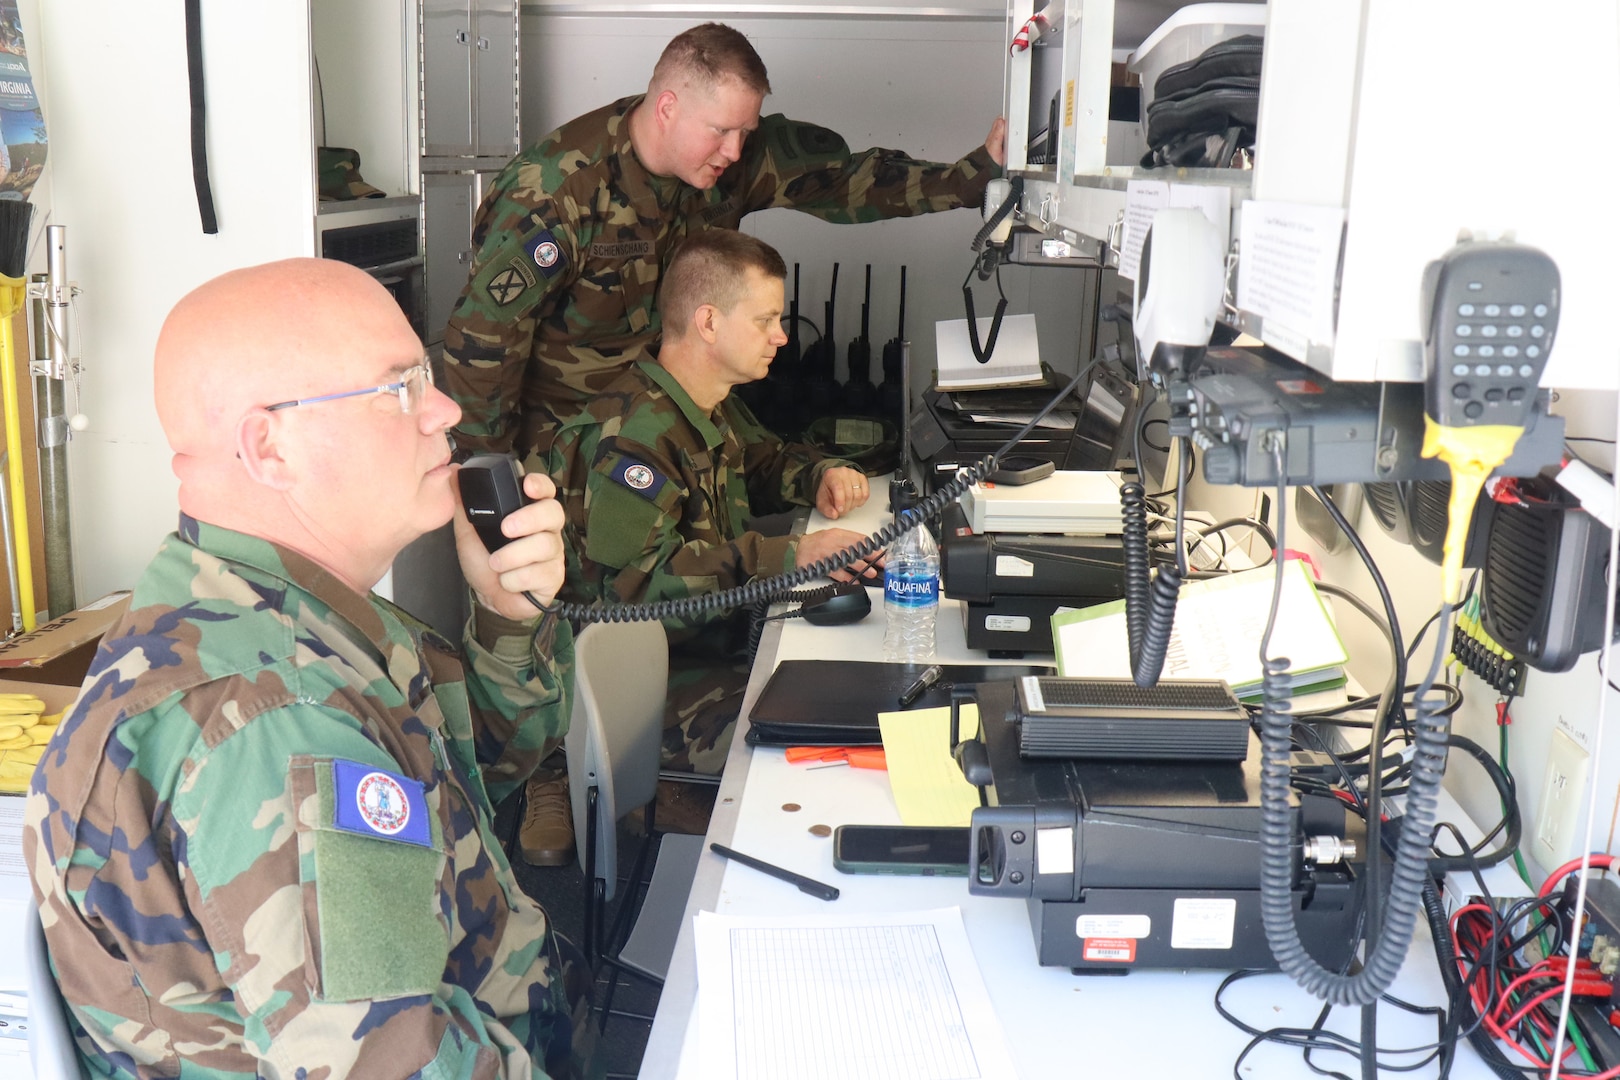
(1513, 959)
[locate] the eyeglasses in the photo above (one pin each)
(412, 388)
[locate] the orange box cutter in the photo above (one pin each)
(857, 757)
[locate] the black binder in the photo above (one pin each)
(836, 702)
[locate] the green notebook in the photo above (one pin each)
(1219, 622)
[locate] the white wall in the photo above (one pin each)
(1566, 702)
(114, 86)
(928, 86)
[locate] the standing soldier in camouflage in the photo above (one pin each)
(261, 840)
(661, 472)
(574, 235)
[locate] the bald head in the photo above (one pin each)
(261, 335)
(347, 481)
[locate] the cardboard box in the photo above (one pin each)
(52, 661)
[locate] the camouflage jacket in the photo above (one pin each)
(261, 841)
(658, 494)
(573, 235)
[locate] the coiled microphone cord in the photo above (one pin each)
(1150, 604)
(1280, 846)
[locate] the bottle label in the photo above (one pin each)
(911, 591)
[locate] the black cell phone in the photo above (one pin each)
(901, 849)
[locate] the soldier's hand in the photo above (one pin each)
(818, 545)
(996, 143)
(841, 490)
(532, 561)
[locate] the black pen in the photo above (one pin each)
(808, 885)
(928, 678)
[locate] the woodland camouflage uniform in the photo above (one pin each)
(658, 494)
(573, 236)
(206, 907)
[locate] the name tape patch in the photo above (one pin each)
(621, 249)
(544, 251)
(639, 477)
(369, 801)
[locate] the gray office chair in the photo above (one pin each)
(621, 671)
(50, 1034)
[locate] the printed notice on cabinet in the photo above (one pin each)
(1288, 263)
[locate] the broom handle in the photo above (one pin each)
(14, 473)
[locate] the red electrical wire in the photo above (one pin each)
(1597, 860)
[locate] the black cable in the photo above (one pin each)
(1333, 714)
(1150, 605)
(768, 590)
(1232, 523)
(1142, 434)
(983, 352)
(1372, 569)
(1511, 819)
(1386, 954)
(807, 321)
(1411, 649)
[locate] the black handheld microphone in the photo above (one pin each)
(491, 488)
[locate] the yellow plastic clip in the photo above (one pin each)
(1472, 453)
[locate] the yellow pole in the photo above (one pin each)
(13, 293)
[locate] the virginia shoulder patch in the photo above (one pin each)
(639, 477)
(544, 251)
(374, 802)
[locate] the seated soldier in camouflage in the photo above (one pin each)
(661, 472)
(261, 840)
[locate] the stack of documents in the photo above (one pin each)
(1219, 623)
(1076, 503)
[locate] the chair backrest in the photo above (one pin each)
(50, 1039)
(615, 737)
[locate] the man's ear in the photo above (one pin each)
(664, 108)
(258, 448)
(706, 321)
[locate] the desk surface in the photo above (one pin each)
(1053, 1020)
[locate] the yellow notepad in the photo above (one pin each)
(928, 785)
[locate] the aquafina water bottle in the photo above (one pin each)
(911, 597)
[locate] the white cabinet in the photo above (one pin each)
(450, 201)
(469, 78)
(1385, 112)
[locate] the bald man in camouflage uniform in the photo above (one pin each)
(261, 840)
(660, 474)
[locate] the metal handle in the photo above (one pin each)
(462, 37)
(1116, 235)
(483, 43)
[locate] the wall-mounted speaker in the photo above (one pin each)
(1542, 583)
(1416, 512)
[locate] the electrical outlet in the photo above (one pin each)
(1560, 812)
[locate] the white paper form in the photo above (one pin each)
(1143, 198)
(894, 996)
(1288, 271)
